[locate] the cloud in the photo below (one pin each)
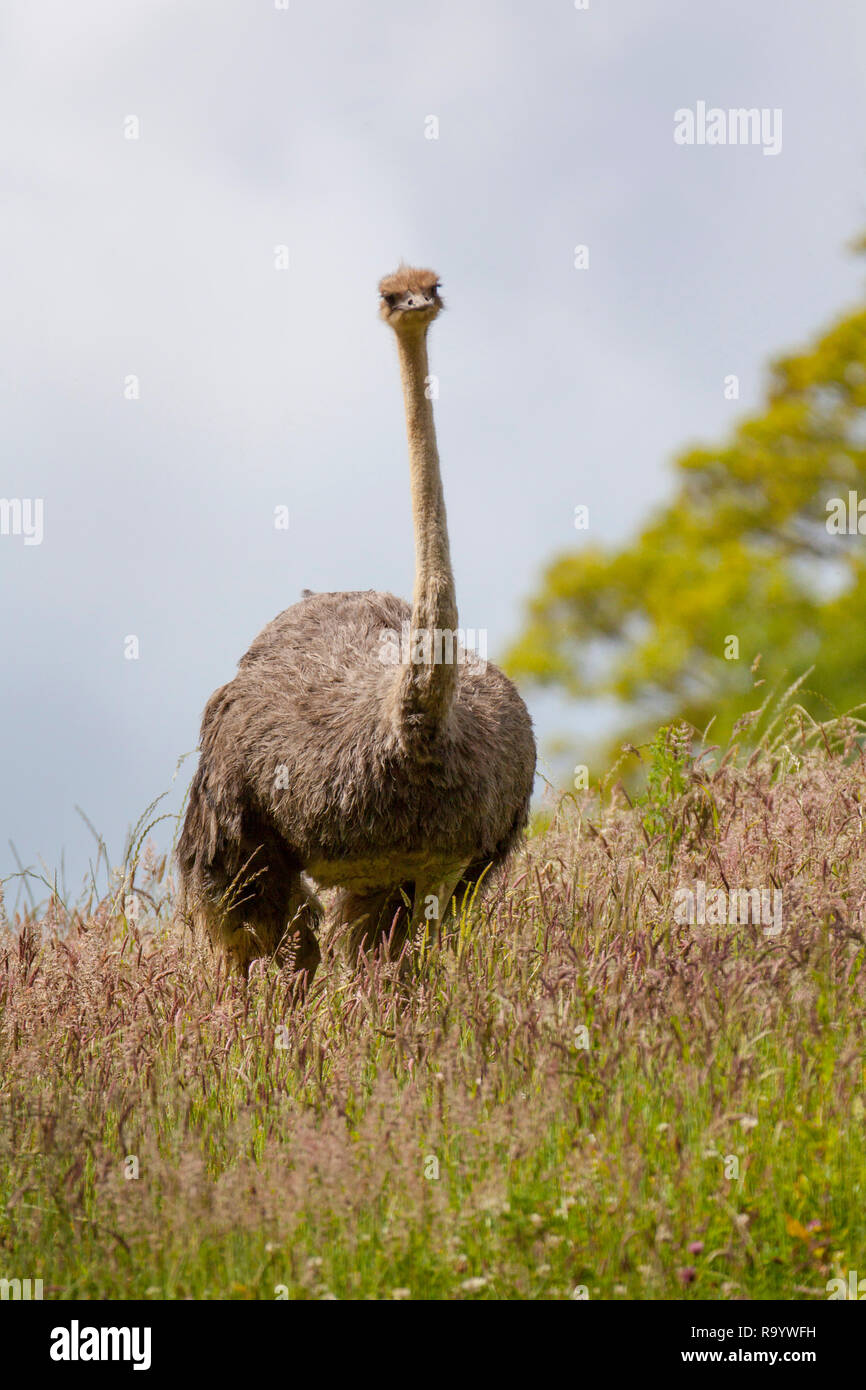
(307, 128)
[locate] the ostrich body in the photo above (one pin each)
(394, 782)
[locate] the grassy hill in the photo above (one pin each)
(578, 1094)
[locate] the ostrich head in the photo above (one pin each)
(410, 298)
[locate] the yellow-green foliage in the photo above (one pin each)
(743, 550)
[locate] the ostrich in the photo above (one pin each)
(397, 783)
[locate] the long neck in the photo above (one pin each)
(427, 684)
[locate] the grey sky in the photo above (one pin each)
(260, 387)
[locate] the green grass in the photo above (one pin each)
(449, 1136)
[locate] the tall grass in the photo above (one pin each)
(574, 1094)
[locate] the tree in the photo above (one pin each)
(758, 564)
